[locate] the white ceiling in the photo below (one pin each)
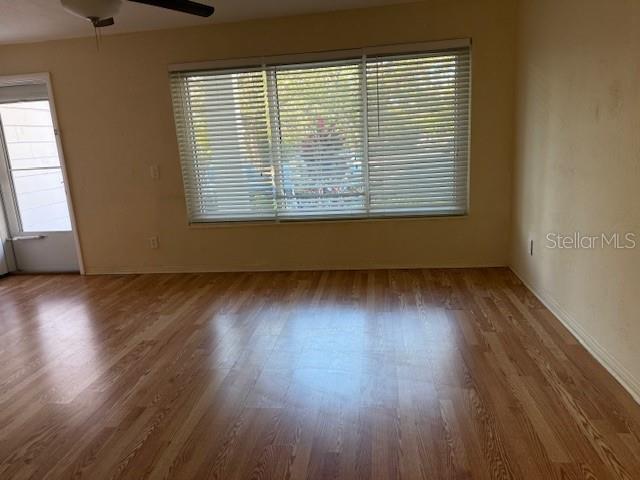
(38, 20)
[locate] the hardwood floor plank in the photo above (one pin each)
(362, 375)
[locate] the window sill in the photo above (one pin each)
(315, 221)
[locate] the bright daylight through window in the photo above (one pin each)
(372, 136)
(34, 166)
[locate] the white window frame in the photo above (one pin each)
(335, 55)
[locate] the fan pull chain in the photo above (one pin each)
(97, 36)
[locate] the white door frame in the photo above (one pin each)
(45, 78)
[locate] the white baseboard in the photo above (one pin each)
(608, 361)
(116, 270)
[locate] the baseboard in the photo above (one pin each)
(602, 356)
(133, 270)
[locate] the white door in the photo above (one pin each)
(4, 238)
(34, 196)
(4, 268)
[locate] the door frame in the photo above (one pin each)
(45, 78)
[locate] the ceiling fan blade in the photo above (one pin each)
(185, 6)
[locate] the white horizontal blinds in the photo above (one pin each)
(318, 110)
(370, 136)
(418, 132)
(223, 134)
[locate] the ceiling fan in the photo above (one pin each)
(101, 12)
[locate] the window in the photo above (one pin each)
(370, 136)
(33, 163)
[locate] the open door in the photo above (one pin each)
(35, 198)
(4, 238)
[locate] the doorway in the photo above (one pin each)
(34, 192)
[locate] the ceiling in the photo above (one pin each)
(40, 20)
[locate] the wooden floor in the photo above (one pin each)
(422, 374)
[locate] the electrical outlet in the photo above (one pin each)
(154, 172)
(153, 242)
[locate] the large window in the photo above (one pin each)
(371, 136)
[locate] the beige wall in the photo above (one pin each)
(115, 115)
(578, 167)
